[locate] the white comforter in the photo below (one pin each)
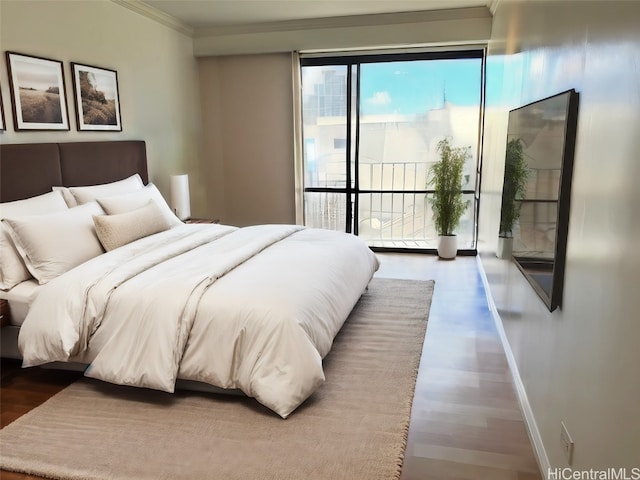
(254, 309)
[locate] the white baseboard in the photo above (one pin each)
(525, 406)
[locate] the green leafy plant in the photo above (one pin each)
(445, 177)
(516, 173)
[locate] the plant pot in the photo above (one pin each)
(505, 247)
(447, 246)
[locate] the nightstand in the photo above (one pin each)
(4, 313)
(202, 220)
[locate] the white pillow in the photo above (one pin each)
(117, 230)
(67, 195)
(134, 200)
(12, 269)
(52, 244)
(87, 194)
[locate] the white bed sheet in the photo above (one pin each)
(20, 299)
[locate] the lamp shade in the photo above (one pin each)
(180, 201)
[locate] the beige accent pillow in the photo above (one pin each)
(139, 198)
(12, 268)
(52, 244)
(120, 229)
(89, 193)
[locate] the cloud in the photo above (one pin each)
(379, 98)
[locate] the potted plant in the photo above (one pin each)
(445, 177)
(516, 173)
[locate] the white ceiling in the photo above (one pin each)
(199, 14)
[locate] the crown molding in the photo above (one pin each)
(492, 5)
(156, 15)
(313, 23)
(345, 21)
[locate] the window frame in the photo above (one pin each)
(351, 59)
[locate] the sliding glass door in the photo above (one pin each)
(371, 125)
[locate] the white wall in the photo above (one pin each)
(247, 107)
(579, 364)
(157, 77)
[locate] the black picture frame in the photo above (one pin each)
(3, 123)
(97, 99)
(546, 129)
(38, 93)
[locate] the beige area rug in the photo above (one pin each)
(354, 427)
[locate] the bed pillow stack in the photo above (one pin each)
(78, 195)
(12, 267)
(45, 236)
(54, 243)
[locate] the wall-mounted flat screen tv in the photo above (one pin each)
(544, 133)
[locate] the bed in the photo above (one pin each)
(145, 300)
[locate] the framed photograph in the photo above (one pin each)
(96, 95)
(37, 93)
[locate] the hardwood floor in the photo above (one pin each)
(465, 423)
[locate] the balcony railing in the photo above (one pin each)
(392, 204)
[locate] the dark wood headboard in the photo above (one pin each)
(31, 169)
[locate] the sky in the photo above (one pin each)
(414, 87)
(39, 76)
(417, 86)
(42, 74)
(105, 81)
